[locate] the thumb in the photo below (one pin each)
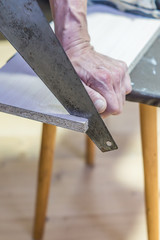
(97, 99)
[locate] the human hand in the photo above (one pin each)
(105, 79)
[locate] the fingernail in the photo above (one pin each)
(100, 105)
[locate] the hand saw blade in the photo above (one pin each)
(23, 24)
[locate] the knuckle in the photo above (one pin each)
(119, 111)
(122, 72)
(89, 80)
(116, 109)
(108, 77)
(123, 65)
(128, 85)
(129, 89)
(105, 76)
(117, 75)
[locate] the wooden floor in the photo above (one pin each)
(102, 203)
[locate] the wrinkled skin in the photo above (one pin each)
(105, 79)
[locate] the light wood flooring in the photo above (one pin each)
(101, 203)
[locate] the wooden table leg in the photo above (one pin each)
(148, 117)
(90, 151)
(44, 178)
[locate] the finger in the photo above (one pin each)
(122, 86)
(111, 86)
(119, 89)
(127, 81)
(102, 82)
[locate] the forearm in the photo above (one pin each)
(70, 22)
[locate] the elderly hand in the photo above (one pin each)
(105, 79)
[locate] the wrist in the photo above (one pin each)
(70, 22)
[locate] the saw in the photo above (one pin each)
(24, 25)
